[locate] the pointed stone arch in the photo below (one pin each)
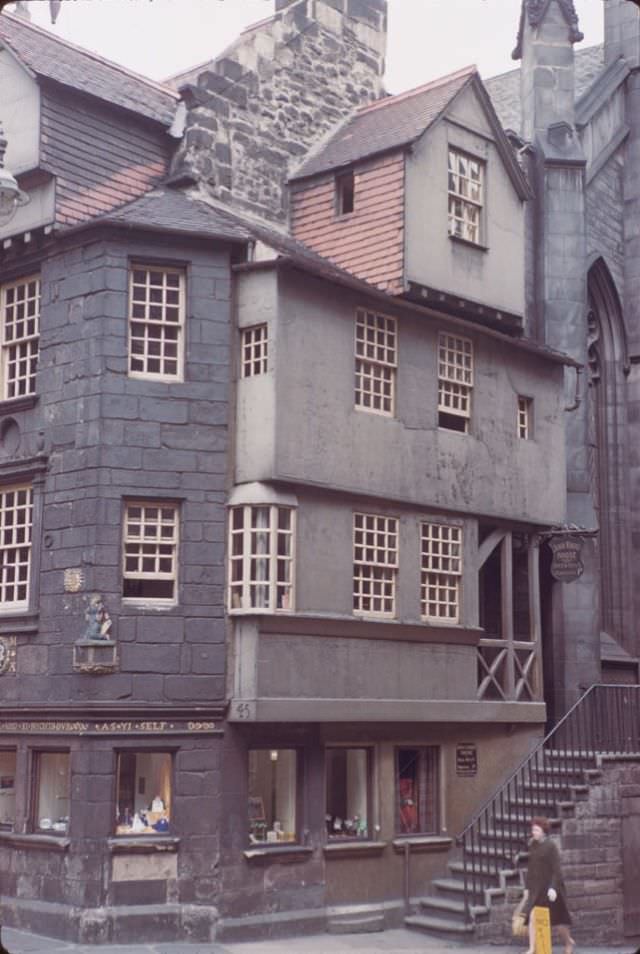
(608, 359)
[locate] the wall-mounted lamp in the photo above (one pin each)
(11, 195)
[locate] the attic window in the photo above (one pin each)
(466, 185)
(345, 193)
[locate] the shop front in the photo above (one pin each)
(108, 824)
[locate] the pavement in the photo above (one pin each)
(387, 942)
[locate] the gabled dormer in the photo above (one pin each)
(84, 135)
(421, 194)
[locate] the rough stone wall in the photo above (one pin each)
(277, 93)
(605, 222)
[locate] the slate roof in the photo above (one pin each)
(49, 56)
(505, 88)
(388, 123)
(168, 210)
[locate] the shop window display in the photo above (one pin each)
(417, 790)
(144, 793)
(7, 790)
(348, 798)
(273, 793)
(52, 792)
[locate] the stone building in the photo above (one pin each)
(297, 377)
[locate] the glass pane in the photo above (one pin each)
(272, 795)
(408, 793)
(347, 793)
(7, 790)
(144, 793)
(52, 813)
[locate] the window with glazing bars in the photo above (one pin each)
(156, 322)
(441, 572)
(261, 558)
(20, 304)
(16, 517)
(150, 551)
(254, 350)
(525, 417)
(375, 564)
(466, 176)
(376, 362)
(455, 381)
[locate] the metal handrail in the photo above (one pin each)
(601, 721)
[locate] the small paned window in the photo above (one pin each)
(150, 551)
(273, 796)
(525, 418)
(376, 362)
(261, 558)
(254, 351)
(417, 791)
(441, 572)
(7, 790)
(345, 193)
(156, 322)
(144, 793)
(455, 382)
(375, 564)
(348, 805)
(466, 185)
(20, 308)
(52, 792)
(16, 516)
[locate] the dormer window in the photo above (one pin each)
(345, 193)
(466, 192)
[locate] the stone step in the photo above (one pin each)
(440, 927)
(356, 924)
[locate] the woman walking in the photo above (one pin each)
(545, 885)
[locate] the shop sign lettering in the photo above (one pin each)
(63, 727)
(566, 565)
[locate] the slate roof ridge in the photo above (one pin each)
(392, 100)
(91, 54)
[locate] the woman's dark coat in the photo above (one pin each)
(544, 872)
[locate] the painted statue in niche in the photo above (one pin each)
(98, 620)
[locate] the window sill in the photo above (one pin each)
(13, 622)
(23, 403)
(36, 840)
(422, 843)
(462, 241)
(142, 844)
(351, 849)
(279, 854)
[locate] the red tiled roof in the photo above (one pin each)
(56, 59)
(386, 124)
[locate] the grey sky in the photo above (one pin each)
(426, 37)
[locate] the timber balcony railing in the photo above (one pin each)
(605, 720)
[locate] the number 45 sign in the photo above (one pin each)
(243, 710)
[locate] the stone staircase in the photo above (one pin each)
(495, 862)
(486, 869)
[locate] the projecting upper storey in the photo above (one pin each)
(421, 194)
(84, 135)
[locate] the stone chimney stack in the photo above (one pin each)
(252, 114)
(622, 31)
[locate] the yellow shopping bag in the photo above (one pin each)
(542, 923)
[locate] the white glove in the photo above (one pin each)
(552, 894)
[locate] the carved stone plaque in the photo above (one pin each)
(73, 579)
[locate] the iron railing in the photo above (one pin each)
(605, 720)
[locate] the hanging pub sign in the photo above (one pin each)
(566, 565)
